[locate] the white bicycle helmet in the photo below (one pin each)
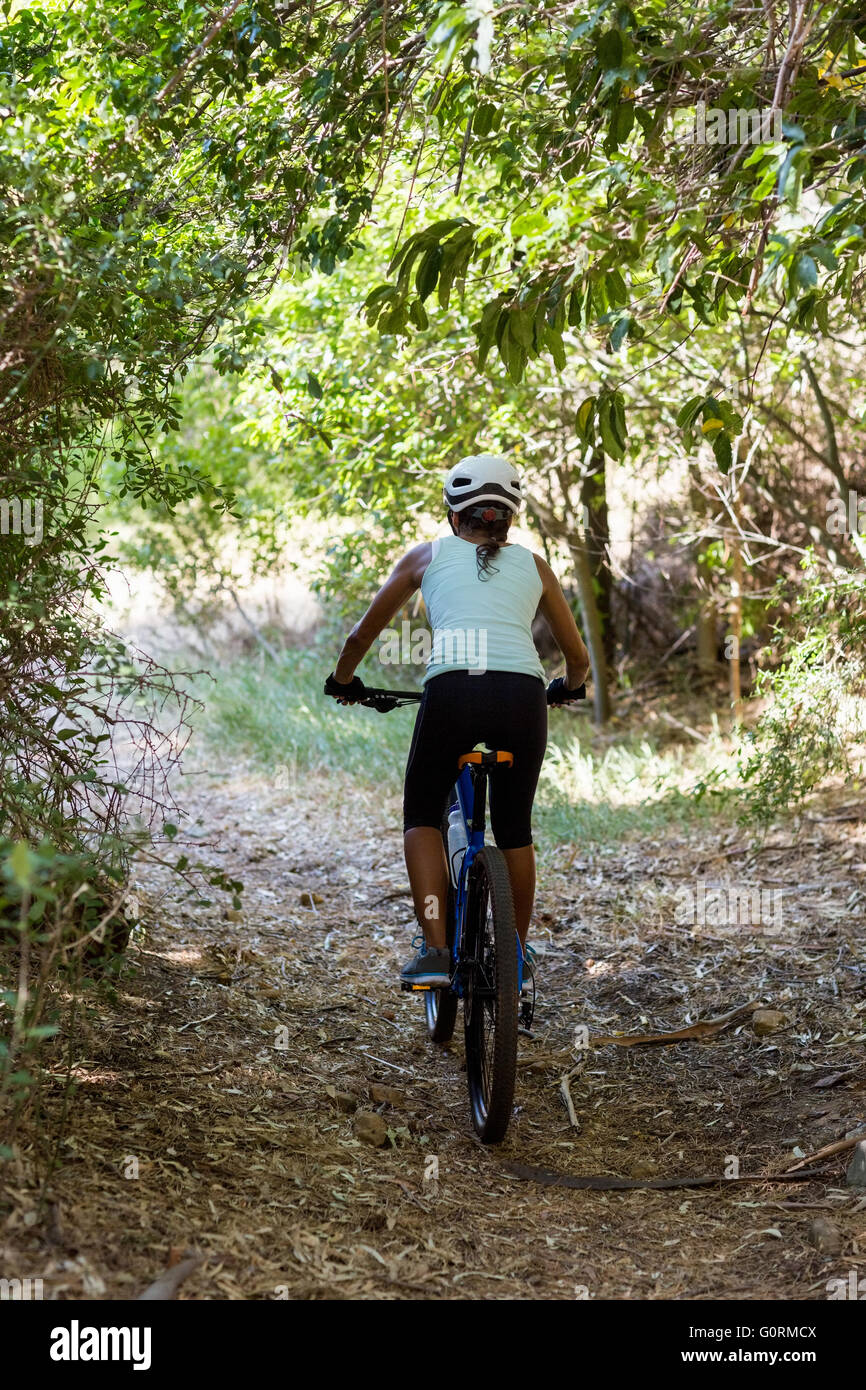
(483, 478)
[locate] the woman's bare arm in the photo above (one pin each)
(397, 590)
(555, 608)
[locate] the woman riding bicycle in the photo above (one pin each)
(481, 592)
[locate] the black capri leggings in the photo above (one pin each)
(504, 709)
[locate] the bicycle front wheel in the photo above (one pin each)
(490, 997)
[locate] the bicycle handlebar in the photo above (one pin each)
(385, 700)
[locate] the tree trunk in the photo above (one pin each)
(736, 628)
(706, 637)
(570, 532)
(708, 612)
(592, 628)
(596, 530)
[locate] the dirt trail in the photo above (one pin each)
(216, 1090)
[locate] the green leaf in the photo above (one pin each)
(22, 863)
(609, 439)
(805, 271)
(314, 386)
(609, 49)
(428, 271)
(615, 288)
(512, 352)
(617, 419)
(482, 120)
(784, 171)
(556, 346)
(723, 452)
(456, 254)
(418, 315)
(620, 332)
(379, 295)
(822, 253)
(689, 411)
(584, 415)
(376, 302)
(528, 223)
(486, 329)
(619, 127)
(520, 328)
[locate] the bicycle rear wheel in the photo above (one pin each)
(440, 1005)
(490, 997)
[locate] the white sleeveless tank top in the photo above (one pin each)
(481, 624)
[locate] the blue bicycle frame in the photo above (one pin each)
(472, 810)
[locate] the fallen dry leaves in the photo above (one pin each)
(216, 1090)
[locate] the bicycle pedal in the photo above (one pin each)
(409, 988)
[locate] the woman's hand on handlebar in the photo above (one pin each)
(345, 694)
(558, 692)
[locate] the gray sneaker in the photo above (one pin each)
(430, 967)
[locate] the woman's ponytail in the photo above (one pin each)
(494, 529)
(484, 553)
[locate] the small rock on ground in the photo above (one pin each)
(371, 1129)
(856, 1174)
(766, 1021)
(386, 1095)
(826, 1238)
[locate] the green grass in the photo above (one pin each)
(592, 789)
(276, 715)
(597, 790)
